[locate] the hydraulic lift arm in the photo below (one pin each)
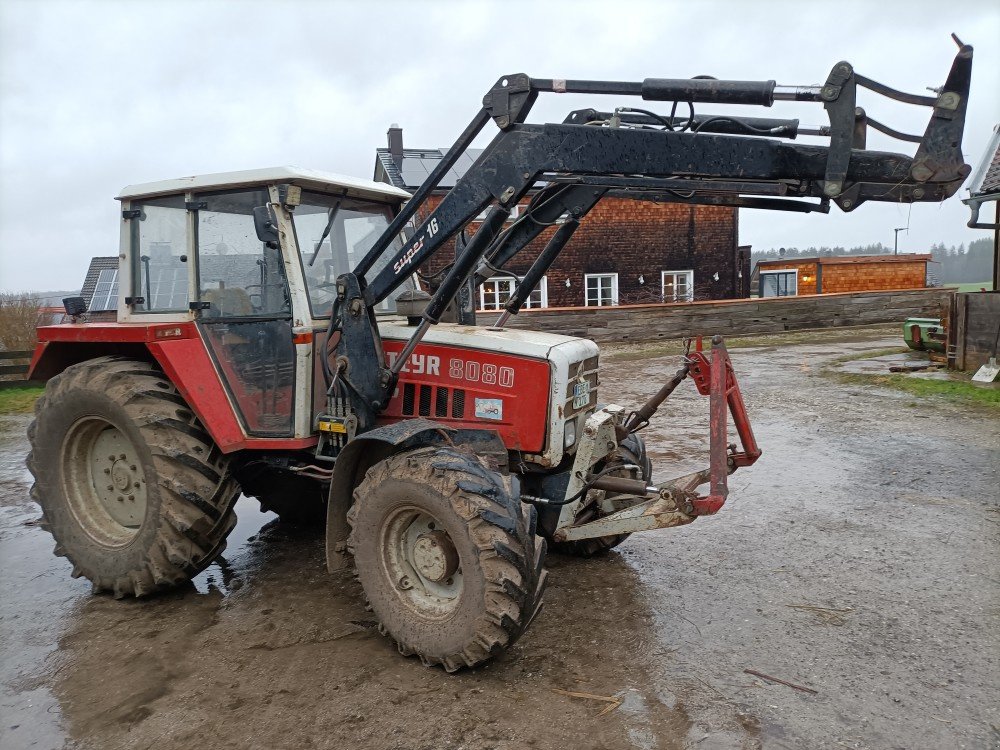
(715, 159)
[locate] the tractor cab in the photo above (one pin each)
(250, 259)
(257, 243)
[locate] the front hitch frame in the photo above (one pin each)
(675, 502)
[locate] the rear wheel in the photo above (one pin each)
(447, 556)
(631, 451)
(131, 486)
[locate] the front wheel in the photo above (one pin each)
(447, 556)
(131, 486)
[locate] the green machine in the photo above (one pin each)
(925, 334)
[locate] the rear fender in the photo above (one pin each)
(376, 445)
(178, 349)
(52, 357)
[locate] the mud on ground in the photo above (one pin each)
(858, 558)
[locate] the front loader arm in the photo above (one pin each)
(714, 159)
(726, 164)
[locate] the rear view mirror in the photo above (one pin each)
(266, 225)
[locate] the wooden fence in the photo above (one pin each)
(973, 327)
(740, 317)
(14, 370)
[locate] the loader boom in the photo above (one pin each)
(692, 158)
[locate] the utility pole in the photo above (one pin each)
(895, 244)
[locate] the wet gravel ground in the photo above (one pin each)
(858, 558)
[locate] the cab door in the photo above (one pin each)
(245, 313)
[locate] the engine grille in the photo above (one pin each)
(447, 402)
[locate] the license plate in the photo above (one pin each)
(581, 394)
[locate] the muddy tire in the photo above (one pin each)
(447, 556)
(131, 486)
(631, 451)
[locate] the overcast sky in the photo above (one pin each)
(98, 95)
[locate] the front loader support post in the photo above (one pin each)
(715, 378)
(718, 423)
(675, 502)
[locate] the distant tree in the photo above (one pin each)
(20, 316)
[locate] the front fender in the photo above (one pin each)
(376, 445)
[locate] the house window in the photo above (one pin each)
(494, 293)
(105, 295)
(601, 289)
(779, 283)
(677, 286)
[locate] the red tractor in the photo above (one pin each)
(271, 339)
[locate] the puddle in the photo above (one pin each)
(267, 649)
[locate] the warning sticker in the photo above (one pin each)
(489, 408)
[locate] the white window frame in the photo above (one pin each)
(495, 305)
(689, 297)
(586, 289)
(108, 299)
(760, 281)
(542, 290)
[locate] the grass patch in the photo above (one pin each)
(870, 354)
(963, 391)
(972, 287)
(952, 390)
(19, 400)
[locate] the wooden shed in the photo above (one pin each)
(850, 273)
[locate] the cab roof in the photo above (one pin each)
(307, 178)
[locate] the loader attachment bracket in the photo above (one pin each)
(675, 502)
(714, 377)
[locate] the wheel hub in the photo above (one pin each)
(104, 481)
(120, 475)
(422, 562)
(435, 557)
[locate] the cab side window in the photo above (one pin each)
(159, 255)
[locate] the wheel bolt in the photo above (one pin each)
(111, 487)
(107, 471)
(132, 467)
(131, 498)
(111, 458)
(136, 485)
(121, 456)
(121, 499)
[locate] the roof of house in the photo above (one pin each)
(417, 163)
(829, 260)
(308, 178)
(98, 264)
(986, 178)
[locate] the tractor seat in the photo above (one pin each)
(227, 302)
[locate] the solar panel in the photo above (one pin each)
(168, 288)
(105, 295)
(414, 171)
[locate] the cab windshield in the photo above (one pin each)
(333, 234)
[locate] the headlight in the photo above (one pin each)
(569, 439)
